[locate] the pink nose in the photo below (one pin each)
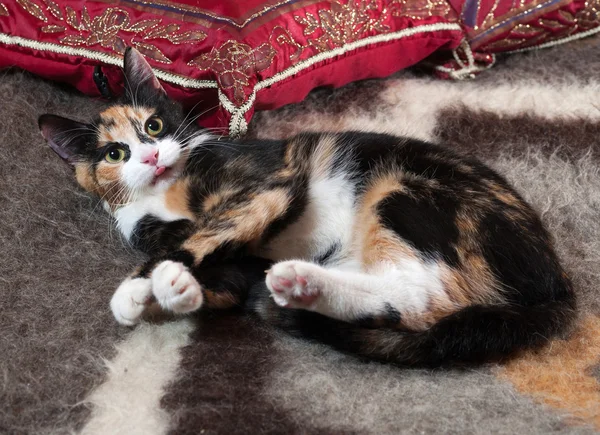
(151, 158)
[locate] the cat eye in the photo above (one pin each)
(115, 155)
(154, 126)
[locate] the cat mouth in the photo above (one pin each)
(161, 173)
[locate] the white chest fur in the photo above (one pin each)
(128, 216)
(327, 219)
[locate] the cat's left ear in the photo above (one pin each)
(139, 75)
(67, 138)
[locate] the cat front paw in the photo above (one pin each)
(175, 288)
(130, 300)
(293, 285)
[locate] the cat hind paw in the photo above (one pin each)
(292, 285)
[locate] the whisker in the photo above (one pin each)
(193, 120)
(185, 118)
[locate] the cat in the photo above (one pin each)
(386, 247)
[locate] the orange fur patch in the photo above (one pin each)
(291, 163)
(322, 157)
(504, 195)
(377, 243)
(108, 172)
(220, 300)
(290, 151)
(249, 221)
(176, 199)
(474, 282)
(109, 185)
(560, 374)
(214, 199)
(120, 116)
(84, 177)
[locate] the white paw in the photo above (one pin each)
(292, 284)
(175, 288)
(130, 300)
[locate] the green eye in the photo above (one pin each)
(115, 155)
(154, 126)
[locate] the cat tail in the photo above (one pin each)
(472, 335)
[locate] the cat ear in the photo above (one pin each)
(139, 75)
(66, 137)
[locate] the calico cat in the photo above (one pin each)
(387, 247)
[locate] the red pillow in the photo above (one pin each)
(232, 57)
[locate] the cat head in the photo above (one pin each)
(135, 147)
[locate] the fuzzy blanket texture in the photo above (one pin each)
(67, 367)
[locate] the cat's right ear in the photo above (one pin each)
(66, 137)
(139, 76)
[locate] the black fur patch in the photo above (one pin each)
(235, 276)
(328, 255)
(424, 218)
(179, 256)
(522, 261)
(157, 238)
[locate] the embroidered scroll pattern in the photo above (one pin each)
(113, 29)
(234, 63)
(343, 23)
(589, 16)
(541, 31)
(33, 9)
(3, 11)
(421, 9)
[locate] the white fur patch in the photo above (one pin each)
(138, 175)
(128, 402)
(130, 299)
(327, 219)
(175, 288)
(348, 295)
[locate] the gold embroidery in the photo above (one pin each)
(109, 29)
(184, 9)
(234, 63)
(144, 25)
(310, 23)
(3, 11)
(550, 23)
(526, 29)
(567, 16)
(506, 44)
(489, 18)
(53, 29)
(54, 9)
(33, 9)
(152, 52)
(589, 16)
(586, 19)
(72, 19)
(343, 23)
(283, 37)
(189, 36)
(420, 9)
